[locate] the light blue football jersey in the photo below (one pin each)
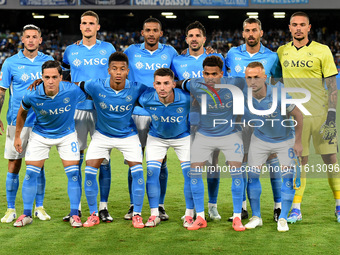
(188, 66)
(54, 115)
(269, 128)
(114, 108)
(219, 106)
(143, 64)
(238, 58)
(86, 64)
(167, 121)
(17, 73)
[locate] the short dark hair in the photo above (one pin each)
(164, 72)
(252, 21)
(197, 25)
(119, 56)
(255, 64)
(51, 64)
(300, 14)
(152, 20)
(90, 13)
(213, 61)
(31, 27)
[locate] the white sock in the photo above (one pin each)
(244, 205)
(189, 212)
(277, 205)
(201, 214)
(102, 206)
(135, 213)
(296, 206)
(154, 212)
(337, 202)
(79, 207)
(212, 205)
(161, 205)
(237, 215)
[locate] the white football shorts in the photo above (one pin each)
(231, 146)
(156, 148)
(10, 151)
(259, 151)
(85, 123)
(142, 123)
(101, 146)
(39, 147)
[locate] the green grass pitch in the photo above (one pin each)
(317, 233)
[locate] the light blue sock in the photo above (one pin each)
(130, 186)
(73, 189)
(29, 188)
(80, 179)
(12, 185)
(197, 189)
(189, 201)
(213, 181)
(254, 191)
(163, 180)
(244, 175)
(288, 193)
(91, 188)
(152, 183)
(104, 181)
(237, 188)
(138, 188)
(275, 178)
(41, 183)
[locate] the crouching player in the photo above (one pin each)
(114, 99)
(209, 137)
(270, 136)
(169, 108)
(54, 104)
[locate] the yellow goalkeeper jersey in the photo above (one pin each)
(305, 68)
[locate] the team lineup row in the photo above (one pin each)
(94, 59)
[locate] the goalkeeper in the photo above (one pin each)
(310, 65)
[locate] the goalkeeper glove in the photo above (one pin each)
(328, 129)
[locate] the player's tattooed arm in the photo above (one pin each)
(332, 91)
(2, 99)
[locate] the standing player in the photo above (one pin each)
(308, 64)
(144, 59)
(271, 137)
(169, 109)
(190, 66)
(17, 73)
(54, 103)
(88, 60)
(114, 99)
(236, 62)
(210, 137)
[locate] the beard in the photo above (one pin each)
(254, 43)
(196, 49)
